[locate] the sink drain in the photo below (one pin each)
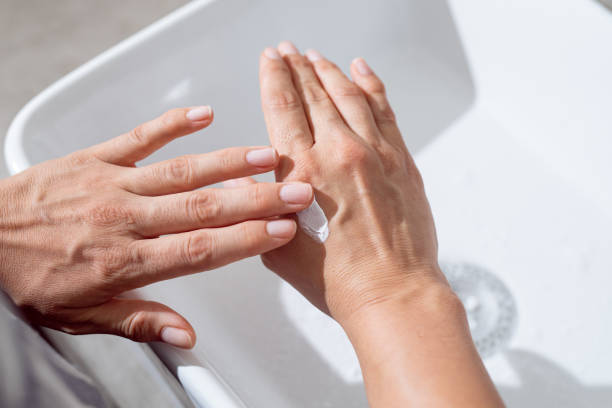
(490, 307)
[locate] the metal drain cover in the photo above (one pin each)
(490, 307)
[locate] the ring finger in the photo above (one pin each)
(187, 173)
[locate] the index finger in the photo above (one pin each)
(283, 110)
(143, 140)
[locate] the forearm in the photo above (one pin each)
(415, 349)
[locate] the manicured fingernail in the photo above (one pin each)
(286, 47)
(313, 55)
(176, 337)
(199, 113)
(261, 157)
(272, 53)
(296, 193)
(281, 228)
(362, 67)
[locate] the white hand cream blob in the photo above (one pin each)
(314, 223)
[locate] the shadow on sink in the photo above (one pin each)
(545, 384)
(258, 348)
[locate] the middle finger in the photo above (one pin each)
(217, 207)
(320, 109)
(348, 97)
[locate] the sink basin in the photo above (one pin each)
(509, 123)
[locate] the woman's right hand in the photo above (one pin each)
(377, 274)
(77, 232)
(341, 137)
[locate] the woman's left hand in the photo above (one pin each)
(77, 232)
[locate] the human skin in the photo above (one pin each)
(79, 231)
(377, 274)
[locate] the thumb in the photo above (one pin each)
(143, 321)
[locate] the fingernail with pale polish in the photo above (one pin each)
(286, 47)
(296, 193)
(261, 157)
(176, 337)
(272, 53)
(313, 55)
(281, 228)
(198, 114)
(362, 67)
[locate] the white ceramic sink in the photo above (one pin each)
(514, 146)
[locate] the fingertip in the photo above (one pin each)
(283, 228)
(361, 66)
(177, 337)
(271, 53)
(313, 55)
(266, 157)
(287, 48)
(297, 193)
(200, 114)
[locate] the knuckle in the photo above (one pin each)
(386, 114)
(313, 93)
(171, 121)
(227, 158)
(285, 100)
(290, 135)
(326, 65)
(250, 237)
(198, 250)
(273, 70)
(257, 195)
(105, 215)
(180, 170)
(392, 159)
(136, 326)
(353, 154)
(376, 86)
(113, 262)
(298, 61)
(346, 90)
(79, 158)
(137, 136)
(203, 206)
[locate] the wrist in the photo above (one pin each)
(415, 349)
(422, 300)
(398, 290)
